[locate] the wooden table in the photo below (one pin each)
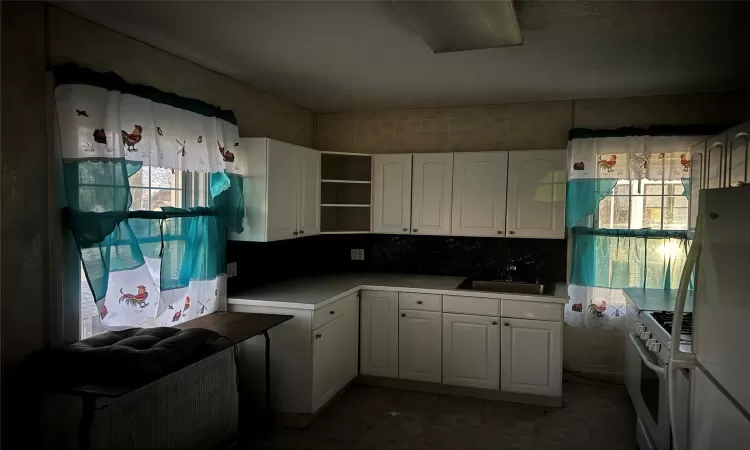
(238, 327)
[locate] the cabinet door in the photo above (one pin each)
(283, 180)
(432, 193)
(536, 194)
(378, 345)
(308, 221)
(327, 346)
(391, 194)
(479, 190)
(715, 161)
(350, 354)
(531, 357)
(471, 351)
(420, 345)
(738, 154)
(696, 179)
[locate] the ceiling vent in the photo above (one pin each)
(454, 26)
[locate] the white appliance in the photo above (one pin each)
(718, 364)
(647, 356)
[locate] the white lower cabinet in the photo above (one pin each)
(419, 346)
(378, 345)
(471, 351)
(531, 357)
(328, 343)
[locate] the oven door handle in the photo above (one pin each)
(644, 356)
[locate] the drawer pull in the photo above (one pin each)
(403, 315)
(331, 312)
(494, 323)
(506, 324)
(512, 232)
(414, 229)
(419, 302)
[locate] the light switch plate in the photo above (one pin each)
(357, 254)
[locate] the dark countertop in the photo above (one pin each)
(656, 299)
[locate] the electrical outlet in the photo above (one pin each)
(361, 254)
(232, 269)
(357, 254)
(353, 254)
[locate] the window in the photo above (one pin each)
(151, 189)
(638, 204)
(644, 204)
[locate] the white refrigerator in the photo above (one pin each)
(719, 362)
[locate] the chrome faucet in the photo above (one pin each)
(510, 269)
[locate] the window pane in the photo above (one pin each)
(673, 188)
(165, 197)
(675, 212)
(651, 212)
(650, 188)
(621, 212)
(606, 213)
(140, 195)
(165, 178)
(622, 187)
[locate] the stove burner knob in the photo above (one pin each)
(645, 335)
(649, 342)
(639, 328)
(654, 346)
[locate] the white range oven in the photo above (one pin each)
(647, 355)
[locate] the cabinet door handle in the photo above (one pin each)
(301, 232)
(331, 312)
(295, 233)
(404, 229)
(419, 302)
(403, 315)
(511, 232)
(499, 232)
(506, 324)
(414, 229)
(318, 336)
(494, 323)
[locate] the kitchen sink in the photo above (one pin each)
(507, 287)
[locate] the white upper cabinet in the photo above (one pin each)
(420, 345)
(432, 186)
(738, 154)
(715, 154)
(531, 357)
(479, 193)
(281, 190)
(536, 194)
(471, 351)
(378, 343)
(308, 220)
(391, 194)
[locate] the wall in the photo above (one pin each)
(258, 114)
(482, 258)
(522, 126)
(526, 126)
(24, 241)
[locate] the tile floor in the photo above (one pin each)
(595, 416)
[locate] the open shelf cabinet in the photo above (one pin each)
(345, 192)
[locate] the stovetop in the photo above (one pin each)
(666, 318)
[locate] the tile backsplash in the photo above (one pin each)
(487, 258)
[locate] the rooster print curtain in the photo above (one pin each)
(97, 123)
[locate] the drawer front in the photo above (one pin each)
(419, 302)
(327, 313)
(477, 306)
(531, 310)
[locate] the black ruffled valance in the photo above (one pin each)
(656, 130)
(70, 73)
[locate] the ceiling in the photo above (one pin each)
(353, 55)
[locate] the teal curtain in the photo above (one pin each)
(583, 197)
(628, 258)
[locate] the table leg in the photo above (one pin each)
(268, 371)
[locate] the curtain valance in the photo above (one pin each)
(100, 116)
